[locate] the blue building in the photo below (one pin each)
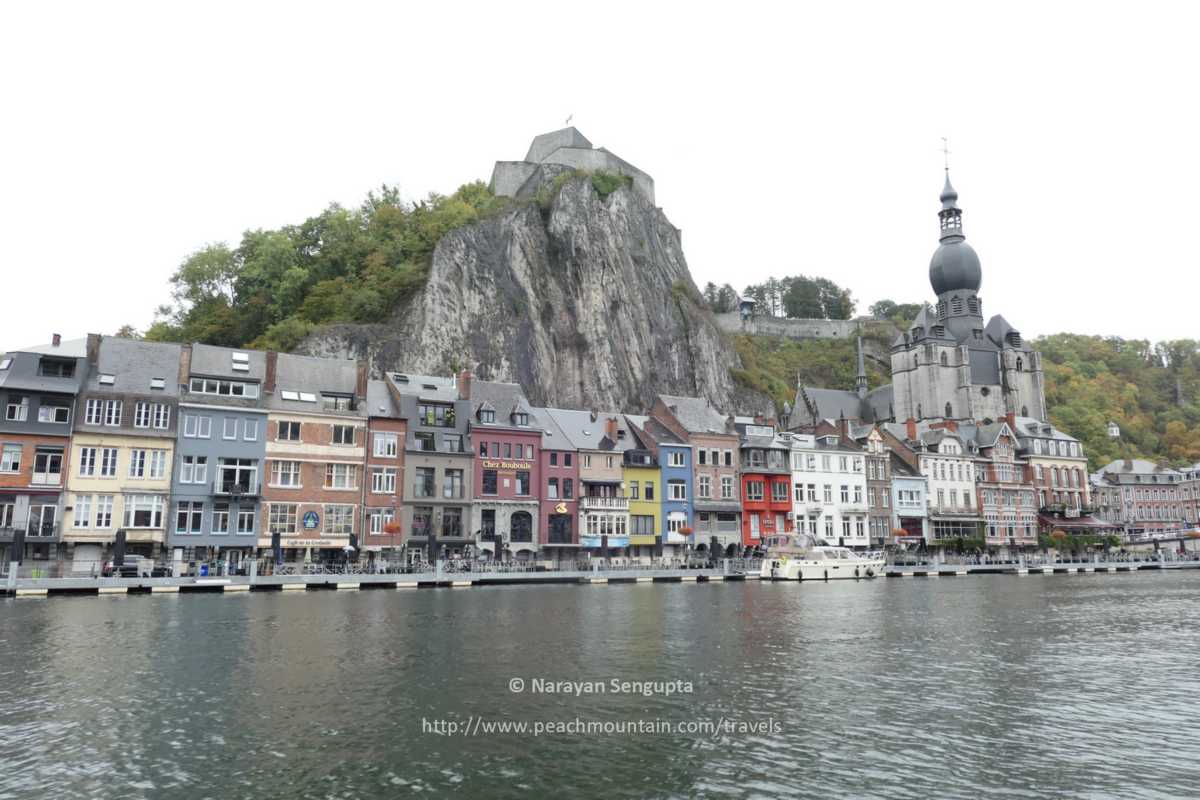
(677, 481)
(216, 485)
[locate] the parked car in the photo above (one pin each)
(133, 567)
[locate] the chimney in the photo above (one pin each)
(731, 424)
(910, 429)
(610, 429)
(592, 414)
(271, 377)
(464, 385)
(360, 380)
(952, 425)
(93, 349)
(185, 363)
(55, 339)
(844, 428)
(1011, 419)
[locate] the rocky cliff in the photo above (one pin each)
(586, 301)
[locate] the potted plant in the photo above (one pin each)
(392, 527)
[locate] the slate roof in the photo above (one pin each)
(503, 398)
(22, 373)
(584, 433)
(695, 414)
(67, 348)
(379, 400)
(815, 404)
(1135, 466)
(315, 376)
(426, 387)
(133, 364)
(553, 437)
(217, 362)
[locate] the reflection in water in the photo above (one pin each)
(987, 686)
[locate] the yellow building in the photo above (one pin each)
(118, 475)
(644, 490)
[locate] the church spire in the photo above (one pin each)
(951, 214)
(860, 382)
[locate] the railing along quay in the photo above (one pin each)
(300, 576)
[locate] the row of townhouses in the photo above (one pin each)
(196, 452)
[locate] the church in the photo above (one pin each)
(949, 364)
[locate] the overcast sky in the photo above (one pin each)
(782, 142)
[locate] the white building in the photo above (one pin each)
(829, 490)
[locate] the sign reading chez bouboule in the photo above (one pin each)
(506, 464)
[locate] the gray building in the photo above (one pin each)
(438, 465)
(38, 387)
(220, 449)
(122, 451)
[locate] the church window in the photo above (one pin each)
(949, 411)
(1024, 411)
(972, 305)
(1020, 363)
(919, 414)
(977, 333)
(945, 360)
(915, 361)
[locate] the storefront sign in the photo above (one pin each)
(561, 508)
(506, 464)
(286, 542)
(311, 520)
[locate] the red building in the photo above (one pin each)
(382, 531)
(766, 481)
(507, 441)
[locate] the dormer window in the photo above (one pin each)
(487, 415)
(107, 380)
(158, 383)
(522, 419)
(240, 362)
(56, 368)
(335, 402)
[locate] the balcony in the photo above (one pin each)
(604, 503)
(34, 533)
(240, 487)
(46, 479)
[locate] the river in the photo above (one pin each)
(984, 686)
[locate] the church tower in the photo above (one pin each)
(949, 364)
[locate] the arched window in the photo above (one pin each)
(1054, 477)
(916, 362)
(1024, 411)
(949, 411)
(1020, 363)
(945, 360)
(521, 526)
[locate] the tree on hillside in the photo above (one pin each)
(802, 297)
(720, 299)
(897, 312)
(127, 332)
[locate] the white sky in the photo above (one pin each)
(782, 140)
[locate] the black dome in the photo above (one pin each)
(955, 267)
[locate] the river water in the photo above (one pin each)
(985, 686)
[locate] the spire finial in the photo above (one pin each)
(946, 154)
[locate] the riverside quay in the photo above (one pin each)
(191, 455)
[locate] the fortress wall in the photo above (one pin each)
(508, 176)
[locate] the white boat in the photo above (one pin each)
(799, 558)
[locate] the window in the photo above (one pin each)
(18, 410)
(423, 482)
(641, 525)
(161, 416)
(779, 492)
(453, 443)
(245, 522)
(425, 442)
(158, 463)
(189, 516)
(438, 416)
(343, 434)
(521, 419)
(137, 463)
(108, 462)
(58, 415)
(380, 520)
(335, 402)
(566, 459)
(141, 414)
(229, 428)
(828, 493)
(287, 431)
(83, 510)
(452, 484)
(10, 459)
(220, 518)
(568, 486)
(87, 461)
(193, 469)
(675, 459)
(702, 456)
(93, 413)
(385, 445)
(285, 473)
(452, 522)
(225, 388)
(754, 491)
(704, 489)
(554, 459)
(341, 476)
(522, 482)
(551, 487)
(281, 518)
(677, 490)
(56, 368)
(649, 490)
(250, 430)
(197, 427)
(487, 415)
(490, 483)
(383, 480)
(727, 487)
(143, 511)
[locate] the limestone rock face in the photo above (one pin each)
(587, 303)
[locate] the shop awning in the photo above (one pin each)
(1085, 524)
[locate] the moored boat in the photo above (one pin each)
(799, 558)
